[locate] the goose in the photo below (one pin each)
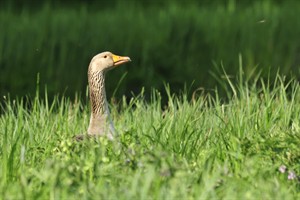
(100, 120)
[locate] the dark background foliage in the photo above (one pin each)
(176, 42)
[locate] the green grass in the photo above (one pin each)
(200, 148)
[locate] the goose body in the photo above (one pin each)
(100, 120)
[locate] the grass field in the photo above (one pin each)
(199, 148)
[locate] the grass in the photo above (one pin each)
(200, 148)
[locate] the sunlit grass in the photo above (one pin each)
(200, 148)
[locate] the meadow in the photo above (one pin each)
(245, 146)
(207, 109)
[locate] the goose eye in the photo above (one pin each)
(105, 56)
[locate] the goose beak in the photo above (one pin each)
(118, 60)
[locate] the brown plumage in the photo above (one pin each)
(100, 121)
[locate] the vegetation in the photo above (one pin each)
(173, 42)
(202, 148)
(221, 138)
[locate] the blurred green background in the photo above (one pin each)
(173, 41)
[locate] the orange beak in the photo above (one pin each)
(118, 60)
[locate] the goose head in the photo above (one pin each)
(106, 61)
